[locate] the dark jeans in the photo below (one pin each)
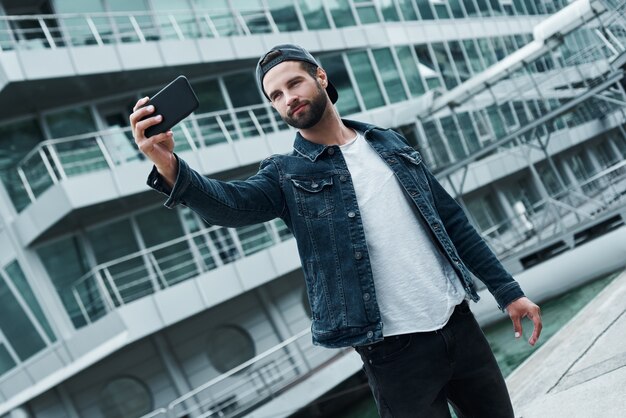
(416, 375)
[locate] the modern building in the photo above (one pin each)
(113, 306)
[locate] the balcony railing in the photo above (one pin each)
(254, 382)
(58, 159)
(126, 279)
(560, 212)
(75, 29)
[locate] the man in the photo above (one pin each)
(386, 251)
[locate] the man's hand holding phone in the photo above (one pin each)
(160, 147)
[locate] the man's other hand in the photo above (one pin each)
(523, 307)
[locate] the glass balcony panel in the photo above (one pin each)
(496, 121)
(367, 14)
(341, 13)
(6, 361)
(499, 48)
(224, 244)
(16, 326)
(483, 7)
(520, 10)
(284, 15)
(388, 10)
(470, 8)
(423, 6)
(246, 124)
(457, 9)
(283, 231)
(176, 263)
(367, 83)
(496, 7)
(131, 279)
(407, 10)
(409, 69)
(441, 10)
(336, 70)
(389, 74)
(530, 7)
(225, 24)
(174, 19)
(36, 173)
(122, 23)
(120, 145)
(254, 238)
(210, 130)
(80, 157)
(313, 14)
(65, 261)
(17, 277)
(6, 35)
(89, 303)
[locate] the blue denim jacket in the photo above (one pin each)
(311, 190)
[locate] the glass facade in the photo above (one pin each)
(20, 316)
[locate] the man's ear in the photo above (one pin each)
(321, 75)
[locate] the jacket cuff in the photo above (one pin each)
(156, 182)
(507, 294)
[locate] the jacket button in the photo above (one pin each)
(314, 185)
(343, 178)
(351, 214)
(370, 334)
(366, 297)
(358, 255)
(331, 151)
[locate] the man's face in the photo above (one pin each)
(299, 98)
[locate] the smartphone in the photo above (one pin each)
(174, 103)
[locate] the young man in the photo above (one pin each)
(386, 251)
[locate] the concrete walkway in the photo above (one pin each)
(581, 371)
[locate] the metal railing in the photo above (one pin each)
(118, 282)
(254, 382)
(102, 28)
(560, 212)
(55, 160)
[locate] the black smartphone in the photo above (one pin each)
(174, 103)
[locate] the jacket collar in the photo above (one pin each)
(312, 151)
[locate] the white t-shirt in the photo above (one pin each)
(416, 287)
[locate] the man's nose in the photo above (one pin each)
(290, 98)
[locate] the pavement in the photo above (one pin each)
(581, 371)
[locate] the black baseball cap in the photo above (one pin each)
(290, 52)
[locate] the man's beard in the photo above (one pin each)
(308, 117)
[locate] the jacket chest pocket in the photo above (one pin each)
(414, 162)
(314, 196)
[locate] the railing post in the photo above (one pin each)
(256, 123)
(158, 270)
(29, 191)
(105, 153)
(176, 28)
(57, 161)
(114, 288)
(46, 32)
(81, 306)
(106, 297)
(49, 168)
(137, 29)
(188, 137)
(94, 30)
(211, 25)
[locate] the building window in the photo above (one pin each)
(125, 397)
(229, 346)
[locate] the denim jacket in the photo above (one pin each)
(311, 190)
